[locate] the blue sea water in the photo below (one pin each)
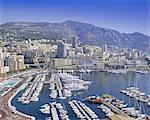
(102, 82)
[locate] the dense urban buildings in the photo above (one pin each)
(19, 55)
(74, 60)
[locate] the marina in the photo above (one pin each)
(75, 60)
(111, 106)
(82, 111)
(137, 94)
(117, 71)
(56, 110)
(33, 90)
(62, 85)
(100, 84)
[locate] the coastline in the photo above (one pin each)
(13, 108)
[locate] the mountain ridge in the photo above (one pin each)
(87, 33)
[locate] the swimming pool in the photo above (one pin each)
(10, 83)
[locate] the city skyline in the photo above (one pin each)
(125, 16)
(74, 60)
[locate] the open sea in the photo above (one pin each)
(102, 82)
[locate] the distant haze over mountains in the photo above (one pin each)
(87, 33)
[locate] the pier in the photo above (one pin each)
(62, 85)
(119, 114)
(57, 111)
(82, 111)
(33, 90)
(119, 117)
(21, 116)
(56, 87)
(54, 113)
(115, 109)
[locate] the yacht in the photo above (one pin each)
(148, 103)
(142, 71)
(48, 118)
(82, 71)
(26, 102)
(88, 70)
(122, 105)
(53, 94)
(45, 110)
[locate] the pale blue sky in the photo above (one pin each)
(122, 15)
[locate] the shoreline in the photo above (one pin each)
(13, 108)
(19, 89)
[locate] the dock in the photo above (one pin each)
(119, 117)
(58, 87)
(33, 90)
(82, 110)
(54, 113)
(115, 109)
(56, 110)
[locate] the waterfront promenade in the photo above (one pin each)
(8, 112)
(13, 108)
(5, 112)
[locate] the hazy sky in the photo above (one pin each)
(122, 15)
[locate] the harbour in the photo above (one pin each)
(56, 110)
(33, 90)
(101, 83)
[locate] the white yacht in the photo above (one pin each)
(45, 109)
(82, 71)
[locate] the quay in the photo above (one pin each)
(56, 110)
(115, 109)
(54, 113)
(33, 90)
(119, 114)
(120, 117)
(7, 111)
(13, 108)
(33, 87)
(82, 110)
(57, 89)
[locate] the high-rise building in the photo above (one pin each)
(1, 60)
(61, 50)
(20, 62)
(11, 62)
(105, 49)
(74, 42)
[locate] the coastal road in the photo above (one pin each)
(5, 111)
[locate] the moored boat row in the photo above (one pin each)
(32, 92)
(106, 110)
(138, 95)
(111, 105)
(62, 85)
(56, 110)
(85, 70)
(82, 111)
